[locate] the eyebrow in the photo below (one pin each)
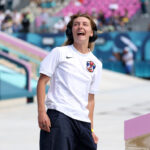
(82, 22)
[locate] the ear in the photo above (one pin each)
(91, 35)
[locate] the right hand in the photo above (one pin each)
(44, 121)
(95, 138)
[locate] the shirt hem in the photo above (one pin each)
(71, 116)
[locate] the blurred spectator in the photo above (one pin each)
(7, 22)
(9, 4)
(121, 27)
(67, 18)
(128, 60)
(25, 23)
(144, 7)
(101, 27)
(125, 18)
(16, 27)
(116, 54)
(42, 20)
(101, 17)
(95, 16)
(110, 27)
(2, 16)
(8, 16)
(60, 26)
(2, 5)
(38, 23)
(30, 16)
(44, 16)
(17, 16)
(114, 19)
(44, 27)
(113, 6)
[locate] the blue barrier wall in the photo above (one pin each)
(105, 45)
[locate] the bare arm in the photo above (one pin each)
(91, 104)
(43, 119)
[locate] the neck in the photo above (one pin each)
(82, 48)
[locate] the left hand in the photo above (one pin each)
(95, 138)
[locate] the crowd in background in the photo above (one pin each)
(15, 21)
(44, 22)
(126, 57)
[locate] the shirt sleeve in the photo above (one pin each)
(95, 84)
(50, 62)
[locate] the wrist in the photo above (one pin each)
(41, 111)
(92, 130)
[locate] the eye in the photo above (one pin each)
(85, 24)
(75, 24)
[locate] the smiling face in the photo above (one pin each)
(82, 30)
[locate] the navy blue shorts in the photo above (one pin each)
(66, 134)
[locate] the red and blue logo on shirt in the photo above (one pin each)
(90, 66)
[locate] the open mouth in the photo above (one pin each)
(80, 33)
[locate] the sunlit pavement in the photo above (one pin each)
(120, 98)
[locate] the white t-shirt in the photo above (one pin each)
(73, 76)
(128, 58)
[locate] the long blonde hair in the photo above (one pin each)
(70, 39)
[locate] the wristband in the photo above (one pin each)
(92, 130)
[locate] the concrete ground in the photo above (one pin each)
(120, 98)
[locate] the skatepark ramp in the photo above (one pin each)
(137, 133)
(22, 50)
(19, 64)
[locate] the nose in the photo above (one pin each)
(80, 25)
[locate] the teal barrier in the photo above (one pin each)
(142, 69)
(19, 54)
(14, 84)
(105, 45)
